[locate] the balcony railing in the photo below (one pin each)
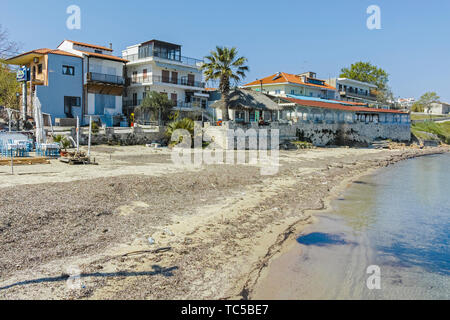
(180, 104)
(105, 78)
(160, 79)
(176, 58)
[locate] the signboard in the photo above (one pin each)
(23, 74)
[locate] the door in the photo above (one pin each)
(165, 76)
(174, 77)
(144, 75)
(134, 99)
(174, 98)
(191, 80)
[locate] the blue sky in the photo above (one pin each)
(291, 36)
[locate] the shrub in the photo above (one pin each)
(186, 124)
(303, 144)
(95, 127)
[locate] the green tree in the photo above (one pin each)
(224, 65)
(425, 101)
(9, 88)
(366, 72)
(155, 105)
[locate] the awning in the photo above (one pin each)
(23, 59)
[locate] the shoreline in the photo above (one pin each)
(223, 224)
(290, 234)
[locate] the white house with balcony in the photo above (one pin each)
(159, 66)
(103, 81)
(282, 84)
(353, 90)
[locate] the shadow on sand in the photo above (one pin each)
(167, 272)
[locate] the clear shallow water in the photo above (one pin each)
(397, 219)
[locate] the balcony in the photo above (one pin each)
(182, 81)
(175, 58)
(352, 93)
(105, 78)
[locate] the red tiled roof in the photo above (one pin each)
(287, 77)
(352, 103)
(335, 106)
(90, 45)
(104, 56)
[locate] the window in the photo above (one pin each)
(293, 92)
(239, 116)
(68, 70)
(98, 51)
(73, 101)
(39, 68)
(277, 91)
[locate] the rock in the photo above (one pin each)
(168, 232)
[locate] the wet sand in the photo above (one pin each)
(220, 225)
(395, 219)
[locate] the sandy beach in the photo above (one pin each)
(214, 228)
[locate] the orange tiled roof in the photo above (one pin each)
(90, 45)
(104, 56)
(46, 51)
(335, 106)
(287, 77)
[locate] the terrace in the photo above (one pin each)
(162, 50)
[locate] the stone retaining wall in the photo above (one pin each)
(320, 134)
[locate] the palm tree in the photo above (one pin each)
(224, 65)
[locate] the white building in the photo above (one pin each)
(439, 108)
(159, 66)
(103, 80)
(353, 90)
(406, 103)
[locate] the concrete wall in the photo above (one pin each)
(114, 136)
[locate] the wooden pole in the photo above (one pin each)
(90, 134)
(12, 162)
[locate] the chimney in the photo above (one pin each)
(110, 45)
